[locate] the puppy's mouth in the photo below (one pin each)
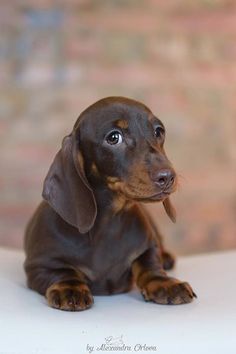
(158, 197)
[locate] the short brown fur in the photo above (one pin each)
(91, 234)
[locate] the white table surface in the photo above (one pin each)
(208, 325)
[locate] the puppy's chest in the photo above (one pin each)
(115, 243)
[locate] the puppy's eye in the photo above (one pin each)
(114, 138)
(159, 131)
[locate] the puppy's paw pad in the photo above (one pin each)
(69, 297)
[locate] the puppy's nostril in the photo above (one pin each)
(161, 181)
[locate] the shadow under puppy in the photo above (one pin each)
(91, 235)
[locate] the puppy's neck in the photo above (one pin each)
(111, 201)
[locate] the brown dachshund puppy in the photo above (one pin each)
(91, 235)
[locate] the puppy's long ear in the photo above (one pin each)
(170, 210)
(67, 190)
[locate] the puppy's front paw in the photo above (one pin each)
(69, 296)
(168, 291)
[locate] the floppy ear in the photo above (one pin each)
(67, 190)
(170, 210)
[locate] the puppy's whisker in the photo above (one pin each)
(181, 177)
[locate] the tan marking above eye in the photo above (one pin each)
(122, 123)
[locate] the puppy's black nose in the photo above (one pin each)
(164, 178)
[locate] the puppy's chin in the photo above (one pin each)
(145, 198)
(159, 197)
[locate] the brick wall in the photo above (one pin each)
(176, 56)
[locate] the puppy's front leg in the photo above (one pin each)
(65, 289)
(154, 283)
(69, 295)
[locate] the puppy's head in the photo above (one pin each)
(119, 143)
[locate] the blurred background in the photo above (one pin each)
(177, 56)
